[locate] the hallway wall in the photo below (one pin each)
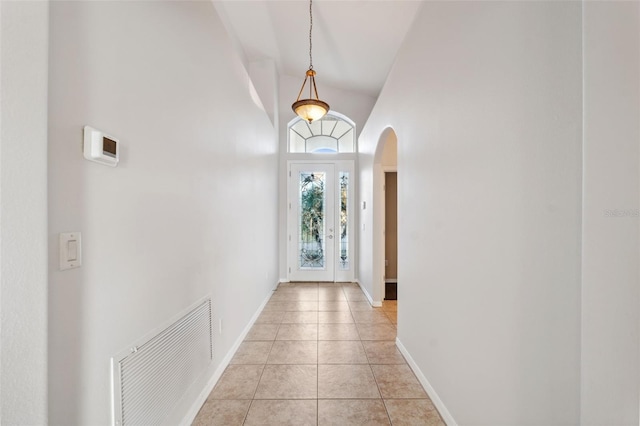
(485, 99)
(189, 212)
(610, 363)
(23, 212)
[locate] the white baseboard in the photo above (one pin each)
(437, 402)
(375, 304)
(195, 408)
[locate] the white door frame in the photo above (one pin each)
(383, 232)
(340, 273)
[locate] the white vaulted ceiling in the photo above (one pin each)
(354, 42)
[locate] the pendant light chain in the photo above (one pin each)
(312, 108)
(310, 31)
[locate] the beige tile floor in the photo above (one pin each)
(319, 354)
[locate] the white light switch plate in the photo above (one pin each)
(70, 250)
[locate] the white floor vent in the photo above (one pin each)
(150, 378)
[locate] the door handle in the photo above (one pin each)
(330, 237)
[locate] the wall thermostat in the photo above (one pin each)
(100, 147)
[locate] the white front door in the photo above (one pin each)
(319, 222)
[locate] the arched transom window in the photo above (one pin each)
(334, 133)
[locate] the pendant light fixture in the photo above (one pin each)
(312, 108)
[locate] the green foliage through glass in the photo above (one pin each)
(312, 197)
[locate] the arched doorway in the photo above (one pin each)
(385, 251)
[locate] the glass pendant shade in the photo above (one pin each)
(310, 109)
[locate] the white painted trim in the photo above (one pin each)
(378, 285)
(200, 400)
(375, 304)
(335, 114)
(437, 402)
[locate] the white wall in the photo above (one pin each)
(610, 288)
(264, 76)
(23, 212)
(485, 99)
(190, 211)
(389, 151)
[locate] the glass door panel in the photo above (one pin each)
(344, 220)
(311, 220)
(312, 189)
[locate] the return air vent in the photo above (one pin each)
(151, 377)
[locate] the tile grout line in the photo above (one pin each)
(264, 367)
(261, 374)
(374, 377)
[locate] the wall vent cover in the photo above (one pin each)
(151, 377)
